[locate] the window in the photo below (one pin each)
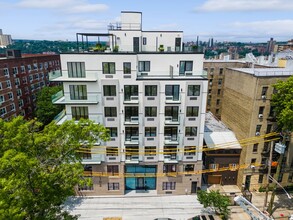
(217, 111)
(150, 111)
(190, 131)
(113, 170)
(193, 90)
(171, 132)
(189, 168)
(192, 111)
(218, 101)
(150, 131)
(18, 92)
(220, 82)
(272, 111)
(12, 107)
(219, 91)
(40, 66)
(85, 186)
(29, 68)
(112, 151)
(130, 90)
(110, 111)
(261, 110)
(172, 111)
(22, 68)
(269, 128)
(79, 112)
(172, 90)
(8, 84)
(78, 92)
(151, 90)
(109, 90)
(6, 71)
(144, 66)
(76, 69)
(17, 83)
(144, 41)
(109, 68)
(35, 66)
(15, 70)
(185, 66)
(264, 90)
(2, 98)
(258, 127)
(150, 150)
(260, 178)
(131, 132)
(189, 150)
(131, 112)
(1, 86)
(2, 111)
(127, 68)
(10, 95)
(113, 186)
(253, 160)
(221, 71)
(212, 70)
(280, 178)
(255, 148)
(112, 131)
(169, 168)
(169, 185)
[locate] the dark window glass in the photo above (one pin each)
(130, 90)
(127, 68)
(185, 66)
(150, 131)
(79, 112)
(151, 90)
(76, 69)
(144, 66)
(190, 131)
(172, 90)
(193, 90)
(150, 111)
(110, 112)
(78, 92)
(109, 90)
(192, 111)
(109, 68)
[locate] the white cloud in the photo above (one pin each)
(69, 6)
(245, 5)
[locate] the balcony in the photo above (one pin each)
(171, 75)
(172, 100)
(169, 120)
(60, 98)
(89, 76)
(131, 100)
(173, 140)
(133, 120)
(133, 140)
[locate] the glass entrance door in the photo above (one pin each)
(140, 183)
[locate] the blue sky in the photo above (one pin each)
(224, 20)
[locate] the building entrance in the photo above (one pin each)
(137, 181)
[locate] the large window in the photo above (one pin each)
(172, 90)
(192, 111)
(151, 90)
(78, 92)
(185, 66)
(127, 68)
(144, 66)
(79, 112)
(109, 90)
(112, 131)
(130, 90)
(130, 111)
(150, 111)
(131, 132)
(190, 131)
(172, 111)
(193, 90)
(109, 68)
(150, 131)
(169, 185)
(76, 69)
(172, 132)
(110, 111)
(168, 168)
(113, 170)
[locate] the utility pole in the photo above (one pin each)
(268, 175)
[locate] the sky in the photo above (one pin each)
(224, 20)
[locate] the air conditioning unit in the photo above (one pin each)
(257, 134)
(263, 97)
(260, 116)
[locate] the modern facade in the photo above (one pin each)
(151, 95)
(246, 109)
(22, 76)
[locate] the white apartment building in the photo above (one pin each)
(153, 103)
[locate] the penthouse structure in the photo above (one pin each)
(151, 95)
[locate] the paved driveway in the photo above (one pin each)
(136, 207)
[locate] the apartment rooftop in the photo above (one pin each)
(265, 72)
(217, 134)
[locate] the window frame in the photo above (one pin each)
(109, 67)
(110, 112)
(190, 131)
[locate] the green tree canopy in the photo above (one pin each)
(282, 101)
(40, 168)
(214, 200)
(46, 110)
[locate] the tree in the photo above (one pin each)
(216, 201)
(46, 110)
(40, 168)
(282, 101)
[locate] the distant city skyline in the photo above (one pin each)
(223, 20)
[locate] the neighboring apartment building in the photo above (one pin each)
(246, 109)
(5, 39)
(152, 102)
(21, 77)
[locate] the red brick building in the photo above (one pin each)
(21, 77)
